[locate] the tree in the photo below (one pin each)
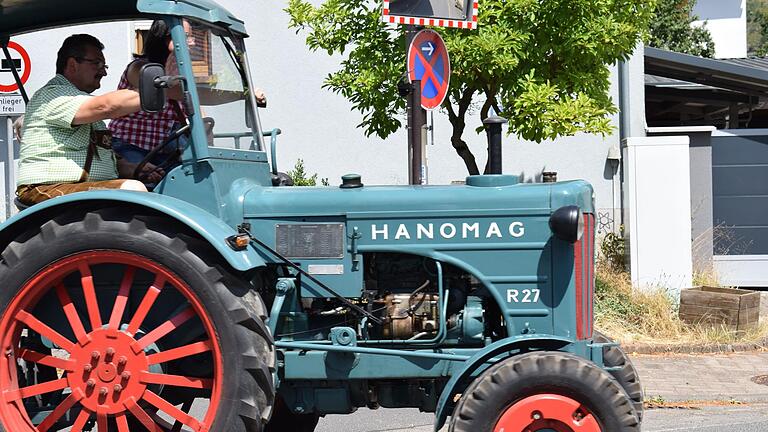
(671, 29)
(541, 64)
(757, 27)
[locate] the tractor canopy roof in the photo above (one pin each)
(23, 16)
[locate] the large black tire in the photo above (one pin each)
(627, 375)
(222, 300)
(284, 420)
(504, 386)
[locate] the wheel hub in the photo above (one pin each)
(110, 372)
(547, 412)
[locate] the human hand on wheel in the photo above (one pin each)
(149, 173)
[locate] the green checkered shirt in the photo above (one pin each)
(54, 151)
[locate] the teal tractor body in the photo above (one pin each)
(277, 305)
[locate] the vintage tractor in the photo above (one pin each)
(226, 301)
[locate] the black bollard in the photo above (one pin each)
(493, 129)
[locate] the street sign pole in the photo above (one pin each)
(428, 65)
(6, 132)
(13, 100)
(417, 118)
(417, 121)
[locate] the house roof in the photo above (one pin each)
(23, 16)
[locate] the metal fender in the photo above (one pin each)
(476, 361)
(208, 226)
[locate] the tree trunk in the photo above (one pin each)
(459, 124)
(464, 153)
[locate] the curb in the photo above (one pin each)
(647, 348)
(694, 400)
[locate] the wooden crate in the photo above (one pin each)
(737, 309)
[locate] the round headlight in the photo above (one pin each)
(567, 223)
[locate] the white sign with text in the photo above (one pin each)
(11, 104)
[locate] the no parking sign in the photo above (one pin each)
(12, 103)
(428, 62)
(20, 61)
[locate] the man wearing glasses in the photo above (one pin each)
(65, 145)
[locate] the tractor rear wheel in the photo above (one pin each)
(146, 327)
(626, 374)
(544, 391)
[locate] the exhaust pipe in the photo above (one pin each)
(493, 130)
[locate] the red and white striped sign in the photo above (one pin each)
(470, 23)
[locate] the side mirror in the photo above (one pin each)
(152, 95)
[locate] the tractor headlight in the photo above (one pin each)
(567, 223)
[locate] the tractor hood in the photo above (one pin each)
(387, 201)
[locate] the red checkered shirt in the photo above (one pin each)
(142, 129)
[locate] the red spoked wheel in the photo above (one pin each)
(547, 412)
(544, 391)
(106, 369)
(153, 337)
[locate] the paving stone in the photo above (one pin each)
(704, 376)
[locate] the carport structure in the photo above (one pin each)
(722, 105)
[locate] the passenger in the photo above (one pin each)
(65, 145)
(135, 135)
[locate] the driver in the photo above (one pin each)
(65, 145)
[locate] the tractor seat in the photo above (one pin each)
(20, 205)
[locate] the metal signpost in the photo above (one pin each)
(428, 66)
(15, 66)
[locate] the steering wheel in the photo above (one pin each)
(137, 172)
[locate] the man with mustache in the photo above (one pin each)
(65, 145)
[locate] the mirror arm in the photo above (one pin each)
(169, 81)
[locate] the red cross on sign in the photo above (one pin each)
(428, 62)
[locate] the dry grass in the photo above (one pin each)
(650, 315)
(706, 278)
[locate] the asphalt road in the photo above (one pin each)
(731, 418)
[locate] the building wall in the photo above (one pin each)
(319, 126)
(727, 22)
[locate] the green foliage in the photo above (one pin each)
(614, 303)
(757, 27)
(671, 29)
(613, 251)
(541, 64)
(299, 176)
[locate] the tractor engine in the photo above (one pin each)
(408, 295)
(405, 294)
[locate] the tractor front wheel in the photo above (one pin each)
(142, 324)
(544, 391)
(624, 372)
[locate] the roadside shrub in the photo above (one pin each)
(299, 176)
(613, 250)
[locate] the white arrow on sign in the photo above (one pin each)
(429, 49)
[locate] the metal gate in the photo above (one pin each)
(740, 206)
